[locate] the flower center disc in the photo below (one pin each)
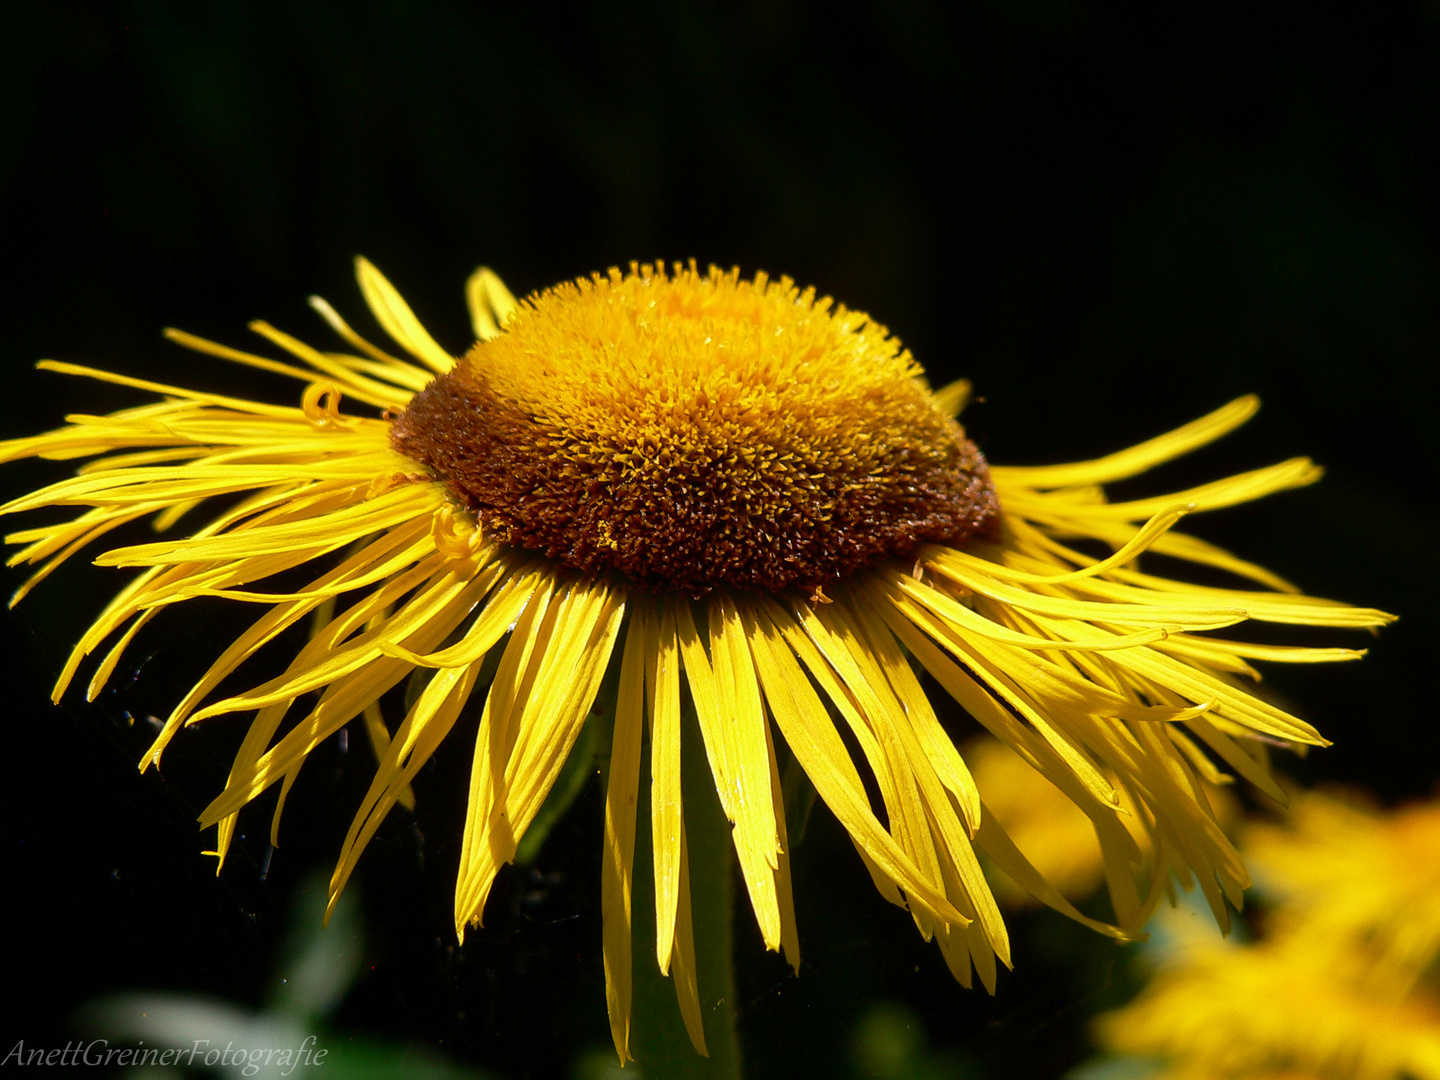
(696, 430)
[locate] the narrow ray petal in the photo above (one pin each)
(394, 314)
(618, 854)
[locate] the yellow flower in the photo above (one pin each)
(692, 473)
(1335, 988)
(1356, 877)
(1294, 1004)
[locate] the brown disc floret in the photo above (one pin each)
(696, 430)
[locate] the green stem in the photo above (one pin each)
(658, 1038)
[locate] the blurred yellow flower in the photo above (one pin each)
(692, 473)
(1281, 1007)
(1356, 876)
(1338, 987)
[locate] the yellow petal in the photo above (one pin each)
(667, 820)
(939, 748)
(952, 398)
(342, 700)
(896, 769)
(944, 559)
(618, 854)
(567, 676)
(394, 314)
(378, 355)
(789, 929)
(816, 744)
(519, 664)
(1138, 458)
(351, 382)
(960, 872)
(379, 736)
(490, 303)
(424, 728)
(727, 704)
(682, 958)
(997, 845)
(421, 612)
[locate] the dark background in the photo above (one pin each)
(1112, 220)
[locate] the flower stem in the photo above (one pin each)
(658, 1038)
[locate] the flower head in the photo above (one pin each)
(690, 474)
